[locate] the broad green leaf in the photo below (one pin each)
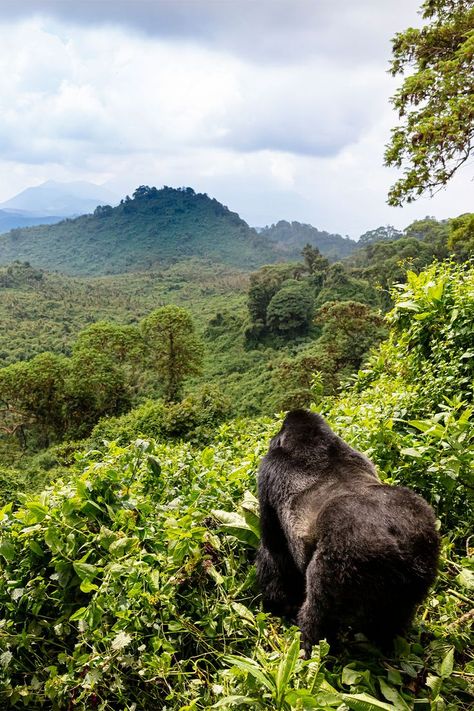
(233, 700)
(252, 521)
(242, 611)
(229, 518)
(365, 702)
(391, 694)
(38, 510)
(411, 452)
(53, 541)
(85, 570)
(420, 425)
(86, 586)
(122, 545)
(304, 699)
(466, 578)
(36, 548)
(446, 667)
(5, 510)
(154, 464)
(7, 550)
(244, 535)
(351, 676)
(207, 457)
(252, 668)
(435, 292)
(79, 614)
(434, 683)
(408, 305)
(287, 666)
(235, 525)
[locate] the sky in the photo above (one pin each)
(278, 108)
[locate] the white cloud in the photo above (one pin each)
(282, 118)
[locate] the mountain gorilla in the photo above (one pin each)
(338, 547)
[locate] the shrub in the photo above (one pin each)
(291, 309)
(194, 418)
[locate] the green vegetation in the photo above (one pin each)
(171, 347)
(290, 309)
(245, 351)
(435, 102)
(152, 230)
(349, 330)
(54, 397)
(129, 584)
(291, 237)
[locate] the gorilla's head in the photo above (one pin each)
(302, 430)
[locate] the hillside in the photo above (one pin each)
(45, 312)
(130, 583)
(291, 237)
(260, 365)
(154, 229)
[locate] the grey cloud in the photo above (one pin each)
(264, 30)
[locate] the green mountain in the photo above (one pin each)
(157, 228)
(291, 237)
(154, 229)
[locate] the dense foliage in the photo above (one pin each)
(292, 236)
(435, 102)
(53, 397)
(349, 330)
(131, 585)
(154, 228)
(43, 312)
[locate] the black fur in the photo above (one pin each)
(338, 547)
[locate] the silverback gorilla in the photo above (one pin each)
(338, 547)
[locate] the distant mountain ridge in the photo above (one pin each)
(9, 219)
(291, 237)
(152, 229)
(54, 198)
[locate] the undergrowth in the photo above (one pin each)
(131, 585)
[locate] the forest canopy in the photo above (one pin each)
(435, 102)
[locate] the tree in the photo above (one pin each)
(96, 387)
(291, 309)
(314, 260)
(264, 284)
(349, 330)
(32, 397)
(173, 347)
(103, 211)
(461, 238)
(340, 285)
(435, 102)
(384, 233)
(122, 343)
